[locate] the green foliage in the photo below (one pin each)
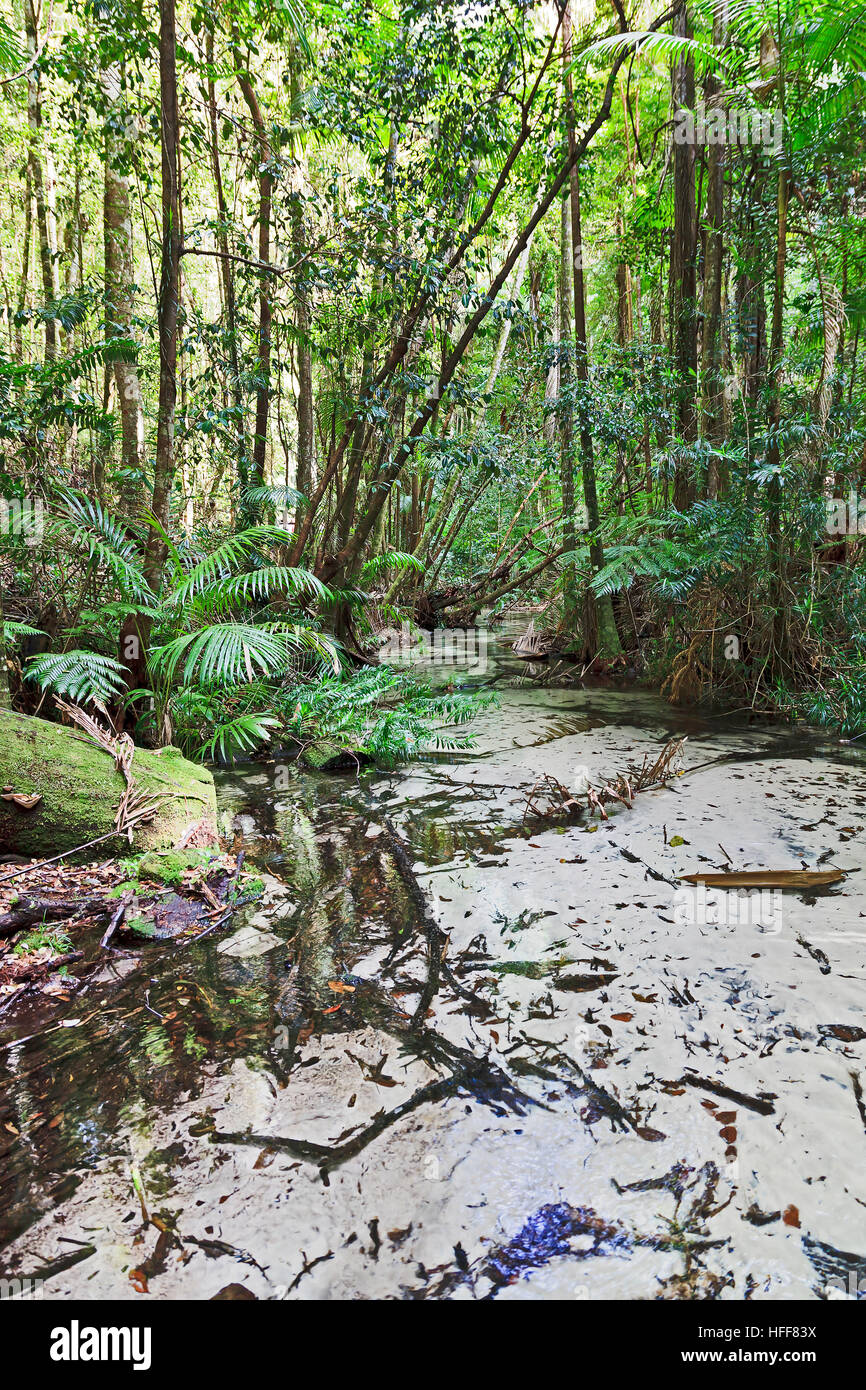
(385, 714)
(46, 938)
(80, 675)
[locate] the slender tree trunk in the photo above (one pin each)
(624, 313)
(5, 698)
(135, 635)
(564, 292)
(43, 220)
(120, 286)
(24, 283)
(266, 188)
(683, 270)
(305, 415)
(227, 277)
(169, 286)
(774, 420)
(599, 608)
(712, 382)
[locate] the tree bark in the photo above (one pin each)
(683, 276)
(120, 286)
(600, 625)
(43, 219)
(266, 188)
(304, 408)
(712, 383)
(135, 634)
(227, 276)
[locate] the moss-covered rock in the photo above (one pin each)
(171, 865)
(325, 755)
(81, 790)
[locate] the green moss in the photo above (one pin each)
(142, 926)
(325, 755)
(53, 937)
(81, 789)
(169, 866)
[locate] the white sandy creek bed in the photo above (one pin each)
(433, 1205)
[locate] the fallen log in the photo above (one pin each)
(32, 912)
(768, 878)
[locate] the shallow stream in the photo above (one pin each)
(588, 1092)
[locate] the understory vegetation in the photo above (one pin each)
(317, 318)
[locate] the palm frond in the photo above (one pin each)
(81, 675)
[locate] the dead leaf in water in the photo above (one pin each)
(845, 1032)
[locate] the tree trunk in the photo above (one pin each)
(712, 382)
(227, 277)
(564, 291)
(305, 417)
(266, 187)
(683, 278)
(600, 624)
(169, 287)
(120, 286)
(135, 634)
(43, 219)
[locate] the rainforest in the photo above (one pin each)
(432, 650)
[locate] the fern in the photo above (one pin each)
(81, 675)
(13, 631)
(238, 737)
(391, 560)
(231, 653)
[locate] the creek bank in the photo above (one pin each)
(59, 925)
(79, 790)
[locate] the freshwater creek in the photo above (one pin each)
(589, 1093)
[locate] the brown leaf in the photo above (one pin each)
(726, 1117)
(622, 1018)
(791, 1216)
(729, 1133)
(651, 1135)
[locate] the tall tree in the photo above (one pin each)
(264, 159)
(120, 134)
(601, 631)
(683, 287)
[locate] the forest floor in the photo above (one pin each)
(587, 1091)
